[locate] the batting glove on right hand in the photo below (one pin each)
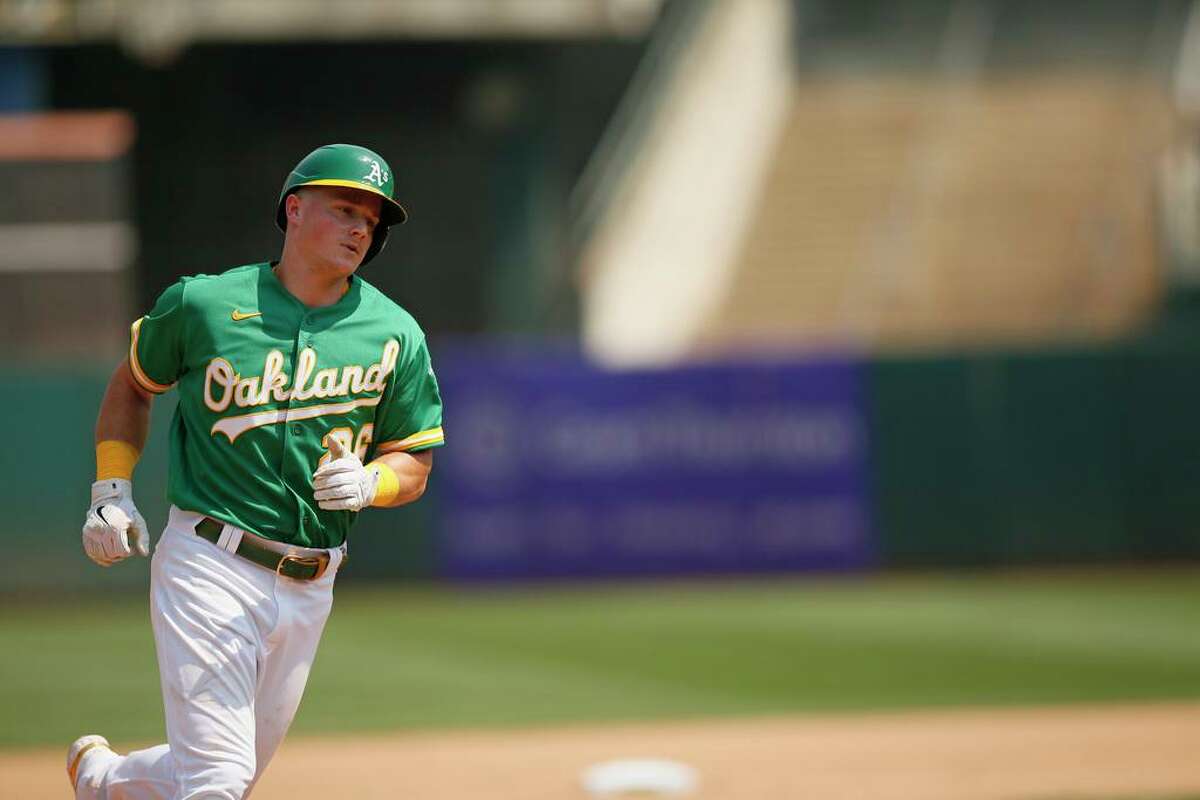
(113, 524)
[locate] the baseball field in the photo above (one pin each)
(1038, 685)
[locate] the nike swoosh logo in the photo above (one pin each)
(239, 316)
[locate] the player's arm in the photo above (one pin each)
(114, 529)
(125, 410)
(412, 474)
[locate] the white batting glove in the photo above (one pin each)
(114, 524)
(343, 483)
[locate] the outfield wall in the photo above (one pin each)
(1066, 456)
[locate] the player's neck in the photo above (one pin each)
(308, 285)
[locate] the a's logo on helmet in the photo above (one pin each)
(377, 175)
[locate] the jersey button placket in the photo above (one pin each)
(304, 341)
(301, 343)
(305, 332)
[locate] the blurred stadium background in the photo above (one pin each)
(824, 320)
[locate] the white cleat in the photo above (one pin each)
(79, 748)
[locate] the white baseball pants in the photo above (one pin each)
(235, 643)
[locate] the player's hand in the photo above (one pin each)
(114, 529)
(343, 483)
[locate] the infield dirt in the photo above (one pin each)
(1027, 753)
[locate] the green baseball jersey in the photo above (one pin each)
(264, 381)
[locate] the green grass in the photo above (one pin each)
(424, 658)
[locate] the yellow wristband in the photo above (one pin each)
(388, 487)
(115, 459)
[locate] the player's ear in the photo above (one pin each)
(292, 207)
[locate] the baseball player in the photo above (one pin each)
(305, 397)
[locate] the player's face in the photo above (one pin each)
(333, 226)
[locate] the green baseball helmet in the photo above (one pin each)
(353, 167)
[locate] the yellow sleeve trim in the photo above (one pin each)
(135, 366)
(115, 459)
(388, 487)
(428, 438)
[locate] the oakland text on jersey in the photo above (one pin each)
(223, 385)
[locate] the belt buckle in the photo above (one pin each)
(306, 561)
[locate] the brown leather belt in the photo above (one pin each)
(252, 548)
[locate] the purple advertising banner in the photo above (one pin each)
(554, 467)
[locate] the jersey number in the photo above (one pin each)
(347, 439)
